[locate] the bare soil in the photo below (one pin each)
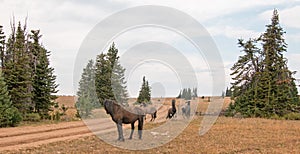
(228, 135)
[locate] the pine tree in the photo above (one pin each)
(87, 98)
(110, 81)
(9, 115)
(195, 93)
(245, 73)
(179, 95)
(184, 93)
(148, 92)
(17, 70)
(264, 86)
(189, 94)
(145, 92)
(119, 84)
(102, 78)
(44, 85)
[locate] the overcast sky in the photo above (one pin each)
(65, 24)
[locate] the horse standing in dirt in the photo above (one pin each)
(172, 110)
(120, 115)
(186, 109)
(148, 109)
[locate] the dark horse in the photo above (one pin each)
(148, 109)
(126, 116)
(172, 110)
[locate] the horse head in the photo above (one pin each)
(173, 102)
(188, 102)
(108, 106)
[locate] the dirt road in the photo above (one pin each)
(28, 136)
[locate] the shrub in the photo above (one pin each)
(32, 117)
(276, 117)
(292, 116)
(11, 117)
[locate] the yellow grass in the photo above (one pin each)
(228, 135)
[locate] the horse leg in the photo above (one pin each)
(154, 116)
(120, 131)
(132, 130)
(168, 115)
(140, 127)
(151, 117)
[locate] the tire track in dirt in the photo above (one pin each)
(34, 130)
(28, 136)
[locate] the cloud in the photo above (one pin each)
(293, 37)
(289, 17)
(232, 32)
(205, 10)
(64, 24)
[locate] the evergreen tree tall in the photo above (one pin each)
(184, 93)
(179, 95)
(188, 93)
(264, 86)
(17, 70)
(119, 84)
(280, 91)
(44, 86)
(110, 81)
(145, 92)
(87, 97)
(102, 78)
(195, 92)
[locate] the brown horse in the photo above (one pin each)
(126, 116)
(172, 110)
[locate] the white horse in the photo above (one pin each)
(186, 109)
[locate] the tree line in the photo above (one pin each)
(263, 84)
(27, 80)
(100, 80)
(188, 93)
(104, 79)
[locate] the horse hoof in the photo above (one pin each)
(122, 140)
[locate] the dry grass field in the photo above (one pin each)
(227, 135)
(69, 102)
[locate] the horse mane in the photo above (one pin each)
(111, 106)
(173, 106)
(172, 110)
